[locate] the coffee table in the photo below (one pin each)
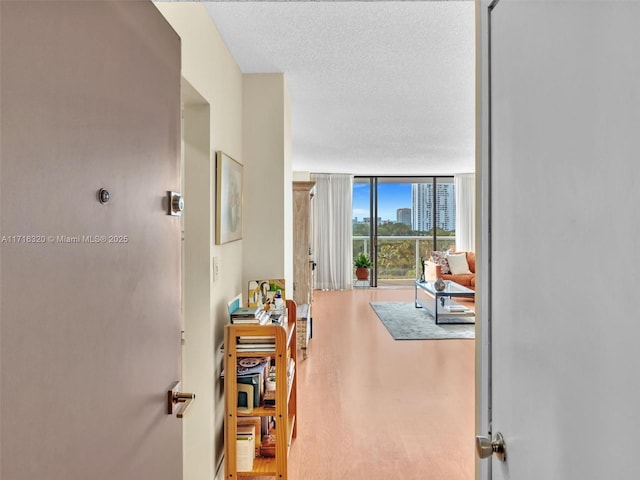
(441, 304)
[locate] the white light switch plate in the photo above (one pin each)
(216, 268)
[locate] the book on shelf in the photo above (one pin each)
(258, 425)
(262, 318)
(246, 312)
(245, 398)
(245, 448)
(256, 339)
(256, 347)
(237, 321)
(270, 398)
(256, 381)
(247, 429)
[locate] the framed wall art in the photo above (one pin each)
(228, 199)
(262, 292)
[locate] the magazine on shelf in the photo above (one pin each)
(250, 365)
(456, 308)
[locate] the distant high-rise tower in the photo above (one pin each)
(446, 206)
(423, 208)
(403, 215)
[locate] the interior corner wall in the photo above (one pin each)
(209, 68)
(288, 196)
(268, 208)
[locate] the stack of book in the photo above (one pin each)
(250, 316)
(255, 343)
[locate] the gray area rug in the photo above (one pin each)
(406, 322)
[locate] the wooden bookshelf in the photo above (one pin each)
(285, 408)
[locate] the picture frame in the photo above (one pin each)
(262, 292)
(229, 199)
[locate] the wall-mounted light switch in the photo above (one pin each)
(216, 268)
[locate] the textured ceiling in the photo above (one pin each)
(380, 88)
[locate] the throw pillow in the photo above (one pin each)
(471, 260)
(440, 258)
(458, 263)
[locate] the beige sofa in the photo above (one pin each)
(433, 269)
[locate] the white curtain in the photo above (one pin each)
(465, 186)
(333, 231)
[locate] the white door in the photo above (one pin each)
(565, 221)
(90, 292)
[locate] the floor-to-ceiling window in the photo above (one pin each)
(398, 221)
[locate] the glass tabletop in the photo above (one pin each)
(451, 287)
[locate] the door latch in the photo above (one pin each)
(178, 402)
(487, 447)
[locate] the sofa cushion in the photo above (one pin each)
(440, 258)
(458, 263)
(467, 280)
(471, 260)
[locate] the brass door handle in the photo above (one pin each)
(178, 402)
(485, 447)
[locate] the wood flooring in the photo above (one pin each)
(372, 408)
